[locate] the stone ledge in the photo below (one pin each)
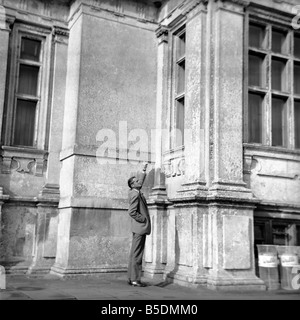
(231, 284)
(29, 160)
(65, 272)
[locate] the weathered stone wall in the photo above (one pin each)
(17, 238)
(111, 91)
(29, 177)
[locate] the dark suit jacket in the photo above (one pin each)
(138, 211)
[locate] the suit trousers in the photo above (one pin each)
(136, 257)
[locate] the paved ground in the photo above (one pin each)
(115, 287)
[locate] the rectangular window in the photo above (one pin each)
(279, 41)
(25, 121)
(179, 69)
(257, 36)
(273, 85)
(28, 80)
(279, 122)
(276, 231)
(181, 77)
(297, 46)
(30, 49)
(257, 70)
(279, 75)
(27, 91)
(297, 78)
(180, 122)
(255, 117)
(297, 124)
(280, 235)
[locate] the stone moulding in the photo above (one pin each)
(46, 13)
(117, 14)
(261, 13)
(182, 12)
(29, 161)
(60, 35)
(73, 271)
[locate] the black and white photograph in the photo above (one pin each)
(149, 153)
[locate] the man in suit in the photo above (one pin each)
(140, 227)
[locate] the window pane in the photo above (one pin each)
(279, 78)
(30, 49)
(257, 36)
(181, 46)
(279, 41)
(259, 233)
(255, 118)
(24, 125)
(256, 71)
(297, 46)
(297, 78)
(28, 79)
(297, 125)
(279, 122)
(180, 122)
(280, 235)
(181, 77)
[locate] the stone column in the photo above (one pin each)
(196, 148)
(229, 250)
(47, 207)
(68, 143)
(56, 114)
(159, 189)
(4, 40)
(189, 204)
(156, 241)
(44, 247)
(2, 269)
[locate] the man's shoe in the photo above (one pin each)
(137, 284)
(129, 282)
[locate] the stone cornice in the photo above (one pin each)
(162, 33)
(234, 6)
(60, 35)
(24, 8)
(262, 12)
(243, 3)
(119, 13)
(183, 12)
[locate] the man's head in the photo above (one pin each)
(133, 183)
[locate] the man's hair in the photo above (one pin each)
(130, 182)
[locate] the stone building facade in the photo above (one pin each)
(206, 91)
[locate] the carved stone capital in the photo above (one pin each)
(162, 34)
(6, 22)
(60, 35)
(10, 22)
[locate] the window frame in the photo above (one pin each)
(267, 92)
(269, 224)
(43, 34)
(176, 97)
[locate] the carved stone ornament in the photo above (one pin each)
(23, 161)
(174, 167)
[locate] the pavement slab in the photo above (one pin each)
(112, 287)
